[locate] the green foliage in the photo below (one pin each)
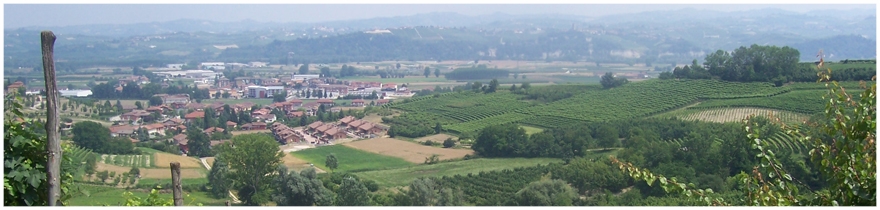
(494, 188)
(300, 189)
(94, 136)
(608, 81)
(331, 162)
(219, 179)
(24, 152)
(250, 171)
(422, 192)
(546, 193)
(352, 193)
(199, 144)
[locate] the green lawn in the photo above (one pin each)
(403, 176)
(350, 159)
(110, 196)
(531, 130)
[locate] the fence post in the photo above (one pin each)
(53, 146)
(176, 188)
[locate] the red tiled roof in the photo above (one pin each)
(195, 115)
(181, 139)
(154, 126)
(316, 124)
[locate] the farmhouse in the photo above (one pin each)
(14, 87)
(346, 120)
(136, 115)
(357, 103)
(381, 102)
(325, 102)
(122, 131)
(181, 141)
(193, 116)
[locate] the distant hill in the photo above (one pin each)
(838, 48)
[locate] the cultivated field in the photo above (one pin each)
(349, 159)
(140, 161)
(436, 138)
(375, 118)
(412, 152)
(159, 173)
(163, 160)
(403, 176)
(737, 114)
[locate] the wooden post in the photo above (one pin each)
(53, 146)
(176, 188)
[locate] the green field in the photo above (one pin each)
(800, 101)
(110, 196)
(531, 130)
(350, 159)
(403, 176)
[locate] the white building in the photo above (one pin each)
(75, 93)
(214, 65)
(256, 91)
(256, 64)
(306, 76)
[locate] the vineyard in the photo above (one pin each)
(141, 161)
(737, 114)
(562, 105)
(79, 156)
(778, 141)
(495, 188)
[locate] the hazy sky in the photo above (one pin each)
(20, 15)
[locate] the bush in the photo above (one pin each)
(448, 143)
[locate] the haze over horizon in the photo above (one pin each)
(58, 15)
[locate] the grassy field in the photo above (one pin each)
(110, 196)
(403, 176)
(531, 130)
(349, 159)
(409, 151)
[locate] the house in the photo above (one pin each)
(245, 106)
(155, 129)
(357, 103)
(158, 109)
(170, 99)
(325, 102)
(321, 129)
(346, 120)
(267, 118)
(181, 141)
(230, 124)
(172, 123)
(254, 126)
(314, 126)
(136, 115)
(353, 125)
(211, 130)
(128, 108)
(14, 87)
(369, 128)
(296, 103)
(381, 102)
(194, 115)
(334, 133)
(122, 131)
(66, 126)
(295, 114)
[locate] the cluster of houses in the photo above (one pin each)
(324, 133)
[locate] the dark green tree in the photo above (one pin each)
(251, 172)
(422, 192)
(352, 193)
(218, 179)
(331, 162)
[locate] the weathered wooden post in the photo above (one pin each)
(176, 188)
(53, 146)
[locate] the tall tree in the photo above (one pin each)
(199, 144)
(427, 72)
(304, 69)
(352, 193)
(325, 71)
(331, 162)
(155, 101)
(436, 72)
(493, 85)
(219, 179)
(251, 172)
